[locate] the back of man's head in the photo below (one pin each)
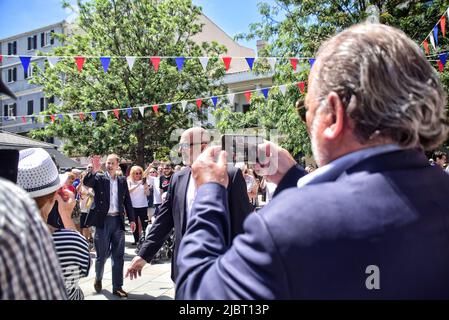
(388, 88)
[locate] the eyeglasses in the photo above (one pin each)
(301, 109)
(186, 145)
(139, 173)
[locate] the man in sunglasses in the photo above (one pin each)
(175, 211)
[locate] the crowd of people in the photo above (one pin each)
(374, 106)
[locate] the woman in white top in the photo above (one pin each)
(138, 190)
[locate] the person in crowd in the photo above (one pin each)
(176, 210)
(153, 202)
(440, 158)
(369, 223)
(139, 191)
(38, 175)
(86, 199)
(164, 180)
(269, 188)
(111, 200)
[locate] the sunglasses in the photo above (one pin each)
(137, 172)
(301, 109)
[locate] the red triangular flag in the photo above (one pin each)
(116, 112)
(440, 66)
(1, 58)
(80, 62)
(155, 107)
(52, 117)
(199, 102)
(248, 96)
(24, 120)
(443, 25)
(301, 86)
(227, 62)
(82, 116)
(155, 61)
(294, 62)
(426, 46)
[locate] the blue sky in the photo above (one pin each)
(18, 16)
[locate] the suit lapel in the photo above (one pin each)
(107, 189)
(181, 193)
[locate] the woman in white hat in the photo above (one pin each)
(38, 175)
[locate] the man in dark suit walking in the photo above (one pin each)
(176, 209)
(111, 200)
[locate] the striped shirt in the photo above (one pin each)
(29, 268)
(74, 259)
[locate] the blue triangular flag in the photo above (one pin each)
(435, 34)
(265, 92)
(180, 63)
(25, 62)
(105, 62)
(443, 58)
(169, 105)
(94, 115)
(32, 118)
(311, 61)
(214, 100)
(60, 116)
(250, 62)
(130, 112)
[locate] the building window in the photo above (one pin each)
(30, 110)
(12, 48)
(10, 110)
(47, 39)
(29, 73)
(32, 42)
(12, 75)
(42, 106)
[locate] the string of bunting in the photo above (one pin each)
(155, 60)
(155, 107)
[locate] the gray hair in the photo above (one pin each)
(387, 86)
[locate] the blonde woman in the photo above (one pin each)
(86, 199)
(139, 191)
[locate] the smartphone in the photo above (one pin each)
(241, 148)
(144, 180)
(9, 160)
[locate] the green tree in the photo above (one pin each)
(296, 28)
(117, 28)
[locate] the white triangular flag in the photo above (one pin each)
(70, 116)
(184, 105)
(130, 61)
(204, 61)
(105, 113)
(231, 98)
(52, 61)
(283, 88)
(432, 41)
(142, 111)
(272, 62)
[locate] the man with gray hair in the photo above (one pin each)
(369, 223)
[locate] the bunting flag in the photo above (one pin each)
(440, 66)
(105, 113)
(180, 63)
(248, 96)
(294, 62)
(432, 41)
(130, 112)
(204, 61)
(214, 101)
(435, 34)
(443, 25)
(61, 117)
(1, 58)
(80, 63)
(33, 118)
(52, 117)
(82, 116)
(183, 105)
(105, 61)
(265, 92)
(117, 113)
(283, 89)
(231, 98)
(52, 61)
(311, 61)
(426, 46)
(250, 62)
(25, 62)
(272, 62)
(199, 102)
(94, 115)
(301, 86)
(155, 108)
(130, 61)
(142, 111)
(24, 120)
(169, 106)
(155, 61)
(227, 62)
(443, 58)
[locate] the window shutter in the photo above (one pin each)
(25, 74)
(35, 42)
(5, 110)
(42, 104)
(52, 41)
(9, 75)
(30, 107)
(14, 47)
(29, 43)
(14, 74)
(14, 110)
(42, 39)
(9, 48)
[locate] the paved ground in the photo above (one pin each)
(155, 282)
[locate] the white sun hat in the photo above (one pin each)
(37, 173)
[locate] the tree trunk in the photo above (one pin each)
(140, 159)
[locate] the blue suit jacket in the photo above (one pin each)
(391, 211)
